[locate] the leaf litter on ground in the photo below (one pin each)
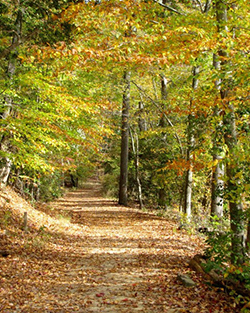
(84, 253)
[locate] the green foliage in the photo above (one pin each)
(110, 184)
(239, 274)
(51, 187)
(218, 241)
(110, 180)
(219, 249)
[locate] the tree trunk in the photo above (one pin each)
(189, 176)
(135, 148)
(164, 95)
(247, 242)
(5, 162)
(138, 174)
(217, 188)
(234, 192)
(123, 184)
(233, 184)
(190, 147)
(163, 123)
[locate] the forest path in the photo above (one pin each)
(127, 261)
(108, 258)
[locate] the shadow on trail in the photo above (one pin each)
(118, 260)
(110, 216)
(71, 205)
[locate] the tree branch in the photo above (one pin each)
(167, 118)
(200, 5)
(207, 6)
(168, 7)
(14, 45)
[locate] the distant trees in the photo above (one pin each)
(62, 86)
(212, 123)
(46, 125)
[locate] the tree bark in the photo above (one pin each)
(188, 188)
(5, 162)
(234, 192)
(164, 95)
(230, 134)
(190, 147)
(247, 242)
(217, 186)
(123, 184)
(163, 123)
(135, 148)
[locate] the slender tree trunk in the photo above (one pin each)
(234, 192)
(190, 147)
(5, 162)
(142, 125)
(233, 184)
(135, 148)
(247, 243)
(207, 6)
(138, 174)
(163, 123)
(189, 173)
(164, 96)
(217, 188)
(123, 184)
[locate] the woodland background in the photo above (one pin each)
(154, 93)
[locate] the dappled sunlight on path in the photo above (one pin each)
(127, 260)
(113, 259)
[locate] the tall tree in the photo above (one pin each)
(190, 149)
(163, 124)
(218, 174)
(5, 145)
(233, 184)
(135, 149)
(123, 183)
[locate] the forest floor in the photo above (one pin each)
(84, 253)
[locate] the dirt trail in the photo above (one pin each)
(116, 260)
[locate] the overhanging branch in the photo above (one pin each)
(167, 7)
(167, 118)
(16, 44)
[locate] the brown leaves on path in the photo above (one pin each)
(107, 258)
